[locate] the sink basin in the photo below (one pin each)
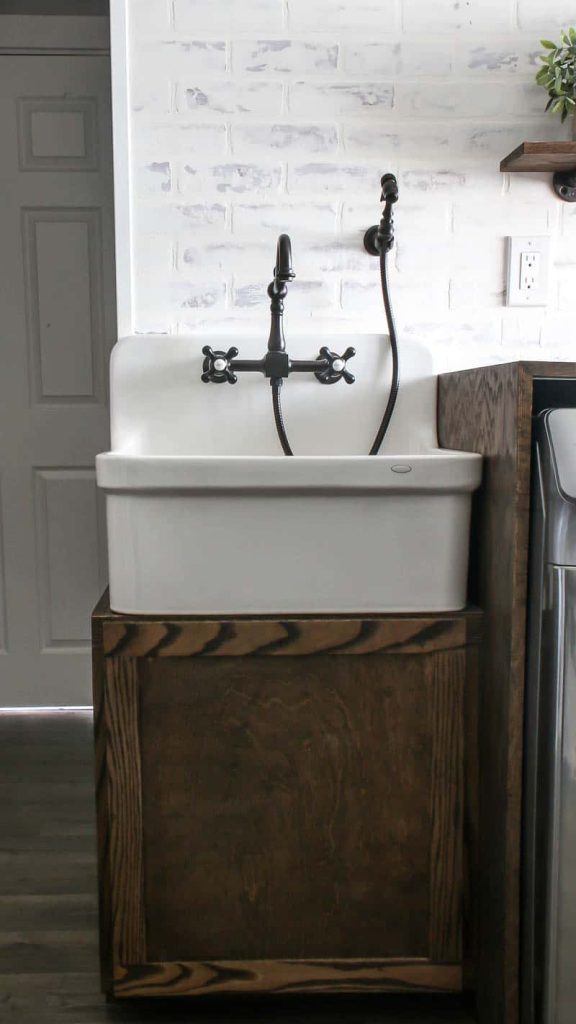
(217, 533)
(310, 534)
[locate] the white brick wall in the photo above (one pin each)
(250, 117)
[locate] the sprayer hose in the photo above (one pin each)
(395, 384)
(278, 417)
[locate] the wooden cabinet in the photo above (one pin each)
(284, 806)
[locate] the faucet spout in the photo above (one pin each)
(277, 292)
(283, 270)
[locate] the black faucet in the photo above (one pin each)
(329, 367)
(277, 292)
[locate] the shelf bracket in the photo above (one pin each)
(564, 183)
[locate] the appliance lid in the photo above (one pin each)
(561, 429)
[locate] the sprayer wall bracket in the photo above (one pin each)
(371, 241)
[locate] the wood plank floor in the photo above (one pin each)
(48, 928)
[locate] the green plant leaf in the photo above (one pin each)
(548, 44)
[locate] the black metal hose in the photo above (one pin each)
(278, 417)
(395, 384)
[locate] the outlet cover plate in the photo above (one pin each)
(528, 270)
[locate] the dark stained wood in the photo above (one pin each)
(124, 800)
(284, 977)
(447, 808)
(267, 637)
(488, 410)
(308, 794)
(471, 865)
(541, 156)
(102, 805)
(304, 811)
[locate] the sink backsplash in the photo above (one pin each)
(251, 117)
(159, 405)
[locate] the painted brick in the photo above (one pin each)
(509, 55)
(450, 15)
(399, 139)
(235, 178)
(158, 303)
(175, 58)
(230, 98)
(320, 178)
(533, 14)
(166, 140)
(226, 15)
(393, 58)
(557, 332)
(341, 99)
(466, 293)
(469, 100)
(345, 256)
(342, 14)
(151, 91)
(150, 21)
(179, 219)
(238, 136)
(297, 219)
(305, 295)
(499, 217)
(521, 327)
(284, 57)
(284, 139)
(152, 179)
(224, 257)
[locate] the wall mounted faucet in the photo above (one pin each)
(328, 367)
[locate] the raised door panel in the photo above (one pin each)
(268, 811)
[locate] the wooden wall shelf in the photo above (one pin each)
(541, 156)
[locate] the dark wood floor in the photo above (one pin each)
(48, 933)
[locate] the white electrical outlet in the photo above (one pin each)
(528, 271)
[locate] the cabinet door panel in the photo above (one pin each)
(283, 822)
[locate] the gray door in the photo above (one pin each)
(58, 323)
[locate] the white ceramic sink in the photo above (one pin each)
(218, 533)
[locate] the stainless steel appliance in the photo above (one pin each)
(549, 861)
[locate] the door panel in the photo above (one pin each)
(274, 821)
(58, 326)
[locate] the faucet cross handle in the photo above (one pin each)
(217, 366)
(335, 368)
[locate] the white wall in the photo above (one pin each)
(249, 117)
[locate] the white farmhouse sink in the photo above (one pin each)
(218, 533)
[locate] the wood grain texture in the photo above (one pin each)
(125, 872)
(291, 809)
(488, 410)
(541, 156)
(284, 977)
(102, 806)
(447, 808)
(300, 818)
(471, 863)
(266, 637)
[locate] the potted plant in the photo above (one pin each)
(558, 76)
